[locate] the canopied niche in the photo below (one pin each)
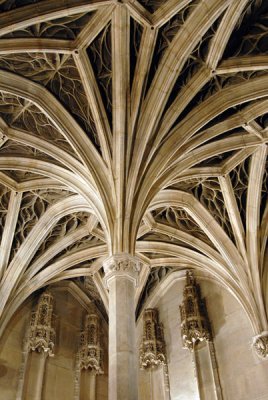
(231, 332)
(24, 347)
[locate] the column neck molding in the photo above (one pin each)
(121, 265)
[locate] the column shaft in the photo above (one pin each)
(123, 379)
(214, 370)
(196, 372)
(23, 371)
(39, 376)
(92, 386)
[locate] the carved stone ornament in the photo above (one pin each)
(90, 353)
(195, 325)
(122, 265)
(260, 344)
(152, 348)
(42, 333)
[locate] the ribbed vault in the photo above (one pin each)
(137, 127)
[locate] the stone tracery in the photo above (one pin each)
(172, 140)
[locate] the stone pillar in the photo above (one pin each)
(121, 277)
(196, 372)
(92, 386)
(37, 383)
(41, 341)
(23, 368)
(215, 371)
(87, 389)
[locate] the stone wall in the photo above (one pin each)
(60, 370)
(243, 375)
(11, 351)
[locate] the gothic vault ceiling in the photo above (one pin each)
(138, 127)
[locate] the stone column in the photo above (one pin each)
(214, 370)
(23, 368)
(87, 388)
(92, 386)
(41, 342)
(37, 382)
(196, 372)
(121, 277)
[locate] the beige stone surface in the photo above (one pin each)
(58, 381)
(242, 374)
(122, 339)
(135, 128)
(11, 352)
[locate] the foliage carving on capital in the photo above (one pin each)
(42, 333)
(260, 344)
(122, 265)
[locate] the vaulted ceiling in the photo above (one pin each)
(138, 127)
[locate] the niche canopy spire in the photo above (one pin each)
(42, 333)
(195, 325)
(153, 347)
(90, 353)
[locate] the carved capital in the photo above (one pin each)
(260, 344)
(121, 265)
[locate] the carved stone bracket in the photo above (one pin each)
(42, 334)
(122, 265)
(260, 344)
(90, 353)
(195, 325)
(153, 347)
